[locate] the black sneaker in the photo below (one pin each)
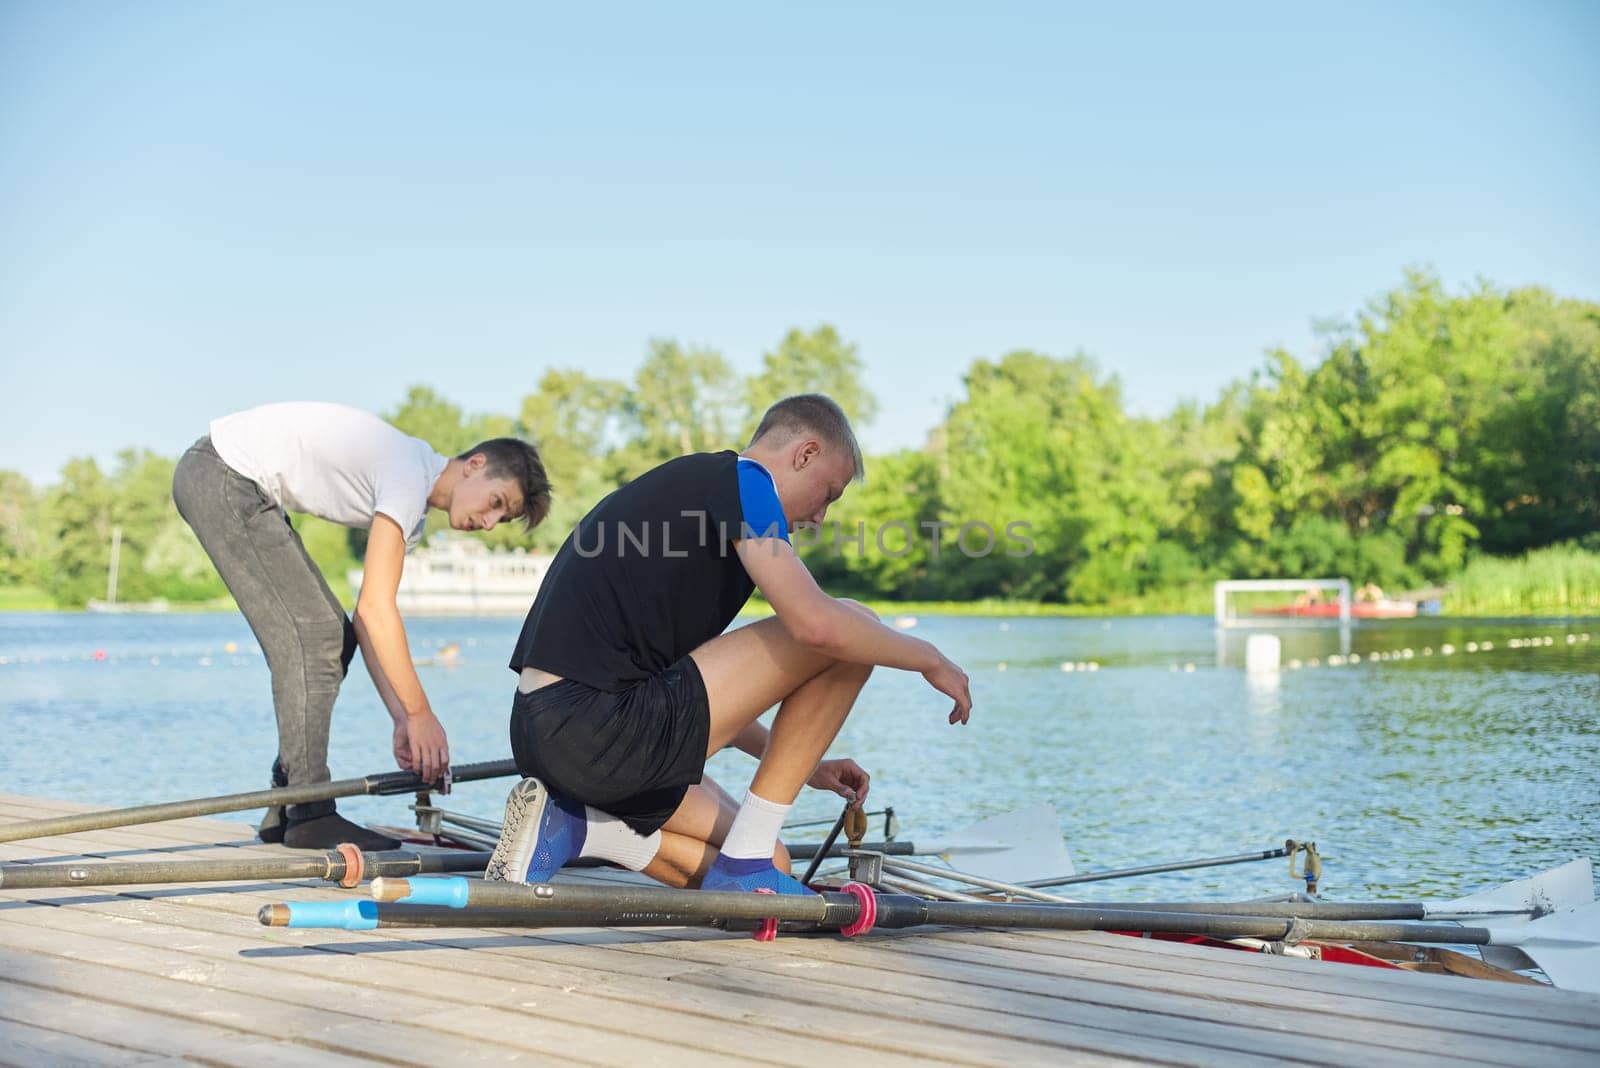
(327, 832)
(270, 828)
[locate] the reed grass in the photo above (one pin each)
(1558, 580)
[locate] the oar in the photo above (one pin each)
(394, 782)
(346, 866)
(1155, 869)
(1566, 945)
(1561, 889)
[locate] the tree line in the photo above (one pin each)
(1435, 428)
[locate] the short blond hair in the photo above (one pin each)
(814, 414)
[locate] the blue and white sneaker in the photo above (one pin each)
(541, 833)
(757, 873)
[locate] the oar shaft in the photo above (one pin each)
(331, 866)
(1310, 910)
(396, 782)
(808, 850)
(364, 915)
(645, 906)
(1156, 869)
(1078, 918)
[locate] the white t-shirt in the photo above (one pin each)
(335, 462)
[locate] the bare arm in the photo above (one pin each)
(420, 743)
(834, 628)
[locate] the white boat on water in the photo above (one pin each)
(464, 577)
(111, 604)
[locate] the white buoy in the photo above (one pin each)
(1447, 649)
(1472, 647)
(1066, 665)
(1002, 665)
(1262, 653)
(1188, 667)
(1094, 665)
(1487, 647)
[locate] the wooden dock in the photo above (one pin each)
(185, 975)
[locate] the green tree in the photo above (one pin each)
(20, 538)
(427, 415)
(1044, 443)
(78, 532)
(683, 400)
(815, 361)
(575, 420)
(893, 514)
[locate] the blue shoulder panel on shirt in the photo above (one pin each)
(758, 499)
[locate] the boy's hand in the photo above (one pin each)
(420, 746)
(951, 681)
(402, 746)
(844, 777)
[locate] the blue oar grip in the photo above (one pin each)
(450, 890)
(350, 915)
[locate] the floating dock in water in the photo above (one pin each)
(186, 974)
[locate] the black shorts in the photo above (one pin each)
(633, 754)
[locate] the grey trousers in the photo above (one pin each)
(301, 627)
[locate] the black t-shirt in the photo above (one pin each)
(650, 573)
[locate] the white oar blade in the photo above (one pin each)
(1012, 847)
(1564, 945)
(1568, 887)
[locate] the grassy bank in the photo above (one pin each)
(25, 599)
(1560, 580)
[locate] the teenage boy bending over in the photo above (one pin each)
(234, 487)
(627, 683)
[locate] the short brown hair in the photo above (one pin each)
(813, 413)
(517, 460)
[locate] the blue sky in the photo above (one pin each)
(209, 206)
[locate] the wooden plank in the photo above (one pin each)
(135, 1028)
(23, 1044)
(195, 998)
(466, 985)
(660, 1015)
(1204, 1021)
(1051, 1041)
(1465, 1035)
(995, 997)
(1412, 988)
(785, 969)
(871, 1036)
(1273, 994)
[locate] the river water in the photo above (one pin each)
(1427, 775)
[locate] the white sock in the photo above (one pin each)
(755, 829)
(608, 838)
